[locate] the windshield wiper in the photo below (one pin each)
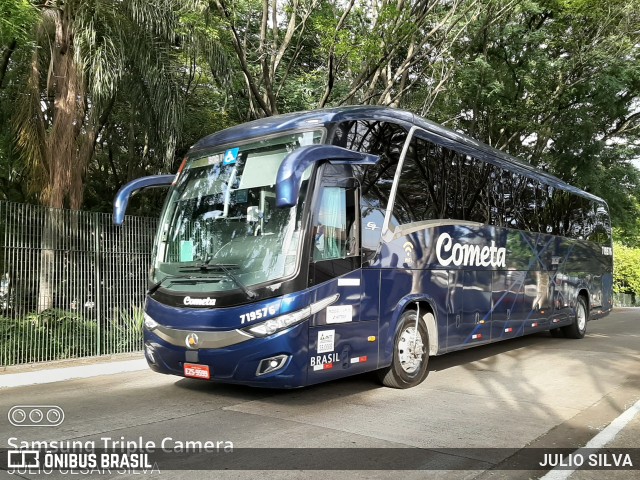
(204, 266)
(180, 279)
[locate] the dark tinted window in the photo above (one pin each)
(437, 182)
(378, 138)
(601, 229)
(440, 183)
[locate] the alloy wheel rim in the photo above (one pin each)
(581, 316)
(410, 350)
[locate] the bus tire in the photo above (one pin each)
(409, 364)
(579, 326)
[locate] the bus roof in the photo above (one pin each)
(326, 117)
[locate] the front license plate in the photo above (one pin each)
(194, 370)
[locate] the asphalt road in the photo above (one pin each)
(537, 391)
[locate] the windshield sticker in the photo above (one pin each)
(340, 314)
(230, 156)
(186, 251)
(203, 162)
(326, 341)
(241, 196)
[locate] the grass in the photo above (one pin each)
(57, 334)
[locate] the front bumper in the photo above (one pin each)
(236, 363)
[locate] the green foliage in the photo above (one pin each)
(60, 334)
(556, 82)
(95, 71)
(17, 17)
(52, 335)
(626, 269)
(124, 332)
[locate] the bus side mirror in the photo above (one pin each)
(126, 191)
(293, 166)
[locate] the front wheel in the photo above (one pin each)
(579, 326)
(410, 354)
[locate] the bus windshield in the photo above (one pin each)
(221, 229)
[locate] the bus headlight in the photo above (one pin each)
(280, 323)
(274, 325)
(149, 322)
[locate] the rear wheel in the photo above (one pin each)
(579, 326)
(410, 354)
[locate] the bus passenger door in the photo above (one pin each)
(469, 307)
(507, 320)
(539, 286)
(339, 338)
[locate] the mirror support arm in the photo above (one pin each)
(126, 191)
(291, 170)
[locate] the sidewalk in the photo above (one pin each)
(48, 372)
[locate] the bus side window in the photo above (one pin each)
(334, 220)
(384, 139)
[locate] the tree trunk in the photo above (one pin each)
(51, 230)
(62, 145)
(6, 56)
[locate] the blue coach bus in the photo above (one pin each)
(306, 247)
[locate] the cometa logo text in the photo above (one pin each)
(449, 252)
(206, 302)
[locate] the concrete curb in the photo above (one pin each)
(67, 373)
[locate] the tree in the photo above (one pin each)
(126, 147)
(84, 53)
(626, 274)
(121, 88)
(385, 49)
(342, 52)
(556, 82)
(17, 18)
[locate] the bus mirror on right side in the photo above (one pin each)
(126, 191)
(294, 165)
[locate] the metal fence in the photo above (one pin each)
(626, 300)
(71, 284)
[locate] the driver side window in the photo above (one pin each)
(331, 235)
